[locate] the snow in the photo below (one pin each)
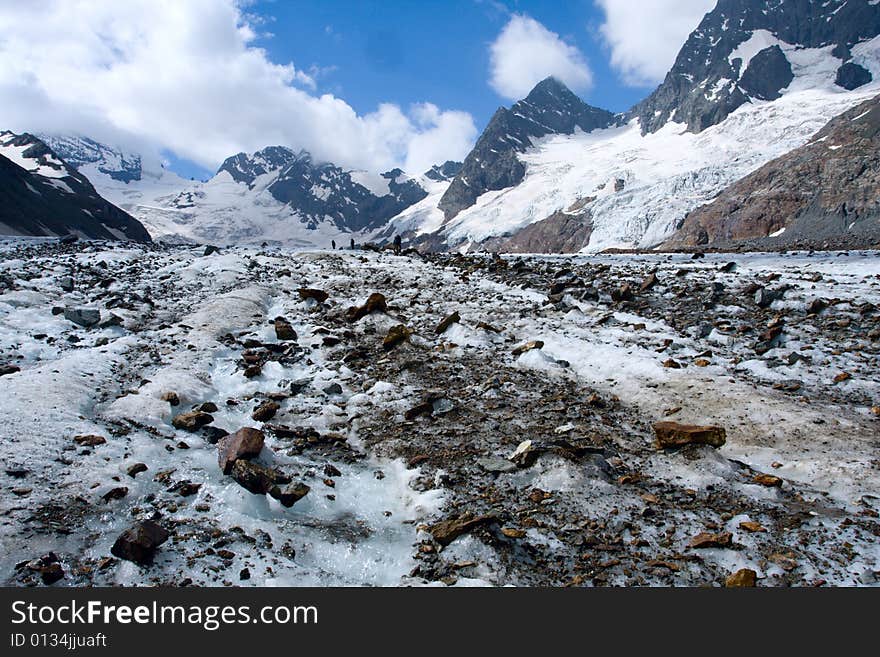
(16, 155)
(372, 181)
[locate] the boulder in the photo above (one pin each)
(376, 303)
(86, 317)
(396, 335)
(243, 444)
(446, 531)
(673, 434)
(441, 328)
(306, 293)
(705, 540)
(290, 494)
(265, 411)
(528, 346)
(743, 578)
(192, 421)
(139, 543)
(283, 329)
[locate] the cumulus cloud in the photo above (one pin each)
(526, 52)
(187, 76)
(644, 39)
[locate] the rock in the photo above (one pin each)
(89, 440)
(333, 389)
(210, 249)
(283, 329)
(497, 465)
(528, 346)
(673, 434)
(86, 317)
(764, 297)
(139, 543)
(649, 282)
(771, 481)
(425, 408)
(671, 363)
(289, 495)
(265, 411)
(192, 421)
(9, 369)
(115, 494)
(256, 478)
(752, 527)
(524, 455)
(510, 532)
(454, 318)
(49, 568)
(171, 397)
(705, 540)
(306, 293)
(446, 531)
(207, 407)
(66, 284)
(622, 293)
(135, 469)
(253, 371)
(843, 376)
(243, 444)
(213, 434)
(376, 303)
(70, 238)
(185, 488)
(743, 578)
(816, 306)
(396, 335)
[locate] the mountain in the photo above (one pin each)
(493, 164)
(751, 50)
(827, 189)
(789, 67)
(81, 151)
(41, 195)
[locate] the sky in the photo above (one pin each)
(371, 85)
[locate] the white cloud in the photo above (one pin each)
(187, 76)
(645, 38)
(526, 52)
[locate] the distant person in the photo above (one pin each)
(352, 244)
(333, 244)
(397, 244)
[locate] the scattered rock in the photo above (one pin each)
(707, 540)
(265, 411)
(171, 397)
(243, 444)
(446, 531)
(454, 318)
(525, 454)
(496, 464)
(672, 434)
(396, 335)
(743, 578)
(528, 346)
(192, 421)
(752, 527)
(283, 329)
(9, 369)
(289, 495)
(139, 543)
(256, 478)
(49, 568)
(649, 282)
(306, 293)
(622, 293)
(770, 481)
(86, 317)
(135, 469)
(210, 249)
(115, 494)
(89, 440)
(376, 303)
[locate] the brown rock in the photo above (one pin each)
(528, 346)
(744, 578)
(510, 532)
(376, 303)
(89, 440)
(669, 363)
(706, 540)
(253, 371)
(289, 495)
(622, 293)
(673, 434)
(396, 335)
(265, 411)
(446, 531)
(770, 481)
(649, 282)
(256, 478)
(751, 526)
(283, 329)
(843, 376)
(139, 543)
(306, 293)
(192, 421)
(243, 444)
(171, 397)
(454, 318)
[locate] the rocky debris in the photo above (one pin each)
(525, 454)
(376, 303)
(446, 531)
(135, 469)
(171, 397)
(283, 329)
(743, 578)
(89, 440)
(243, 444)
(140, 542)
(265, 411)
(116, 493)
(289, 495)
(396, 335)
(191, 421)
(86, 317)
(527, 347)
(448, 321)
(306, 293)
(497, 465)
(649, 283)
(210, 249)
(672, 434)
(622, 293)
(770, 481)
(256, 478)
(705, 540)
(9, 369)
(49, 568)
(66, 284)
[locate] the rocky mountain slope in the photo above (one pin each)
(41, 195)
(827, 189)
(493, 164)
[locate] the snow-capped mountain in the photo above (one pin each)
(41, 195)
(756, 80)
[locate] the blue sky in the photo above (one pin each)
(366, 85)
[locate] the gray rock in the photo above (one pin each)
(86, 317)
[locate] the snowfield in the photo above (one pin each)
(406, 446)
